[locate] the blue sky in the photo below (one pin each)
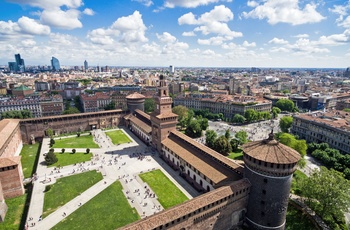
(186, 33)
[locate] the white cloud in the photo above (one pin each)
(252, 3)
(189, 34)
(278, 41)
(335, 39)
(63, 14)
(166, 37)
(247, 44)
(129, 29)
(214, 21)
(28, 42)
(88, 11)
(285, 11)
(30, 26)
(147, 3)
(190, 3)
(61, 19)
(301, 36)
(215, 41)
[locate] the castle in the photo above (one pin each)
(255, 195)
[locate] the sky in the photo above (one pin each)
(182, 33)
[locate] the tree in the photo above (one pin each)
(87, 150)
(285, 123)
(238, 118)
(210, 138)
(110, 106)
(52, 142)
(251, 115)
(222, 145)
(73, 151)
(275, 111)
(329, 189)
(299, 145)
(50, 158)
(194, 129)
(182, 113)
(63, 150)
(78, 134)
(241, 137)
(286, 105)
(49, 132)
(150, 105)
(190, 115)
(71, 110)
(227, 134)
(17, 114)
(204, 123)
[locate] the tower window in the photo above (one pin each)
(265, 180)
(264, 191)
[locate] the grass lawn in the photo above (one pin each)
(118, 137)
(298, 176)
(108, 210)
(66, 188)
(168, 194)
(69, 159)
(296, 220)
(14, 214)
(29, 154)
(76, 142)
(236, 155)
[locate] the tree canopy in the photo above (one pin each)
(327, 192)
(285, 123)
(17, 114)
(71, 110)
(182, 112)
(194, 129)
(210, 138)
(275, 111)
(238, 118)
(150, 105)
(286, 105)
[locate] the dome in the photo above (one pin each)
(271, 151)
(135, 95)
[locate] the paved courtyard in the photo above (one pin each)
(115, 162)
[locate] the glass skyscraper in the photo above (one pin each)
(55, 63)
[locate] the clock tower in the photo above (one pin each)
(163, 119)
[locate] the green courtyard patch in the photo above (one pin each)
(14, 213)
(107, 210)
(76, 142)
(66, 188)
(118, 137)
(67, 158)
(167, 192)
(236, 155)
(28, 157)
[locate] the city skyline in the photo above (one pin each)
(197, 33)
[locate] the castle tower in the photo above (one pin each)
(135, 101)
(163, 119)
(269, 166)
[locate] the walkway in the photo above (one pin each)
(115, 163)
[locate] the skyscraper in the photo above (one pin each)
(86, 65)
(20, 63)
(55, 63)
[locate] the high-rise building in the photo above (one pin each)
(55, 63)
(20, 63)
(13, 66)
(86, 65)
(172, 69)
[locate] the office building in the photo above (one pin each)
(55, 64)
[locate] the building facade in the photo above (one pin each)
(329, 127)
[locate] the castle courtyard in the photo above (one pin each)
(123, 162)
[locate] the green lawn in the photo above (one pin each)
(118, 137)
(298, 176)
(168, 194)
(296, 220)
(29, 154)
(76, 142)
(236, 155)
(69, 159)
(108, 210)
(66, 188)
(14, 214)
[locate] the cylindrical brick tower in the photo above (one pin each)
(269, 166)
(135, 101)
